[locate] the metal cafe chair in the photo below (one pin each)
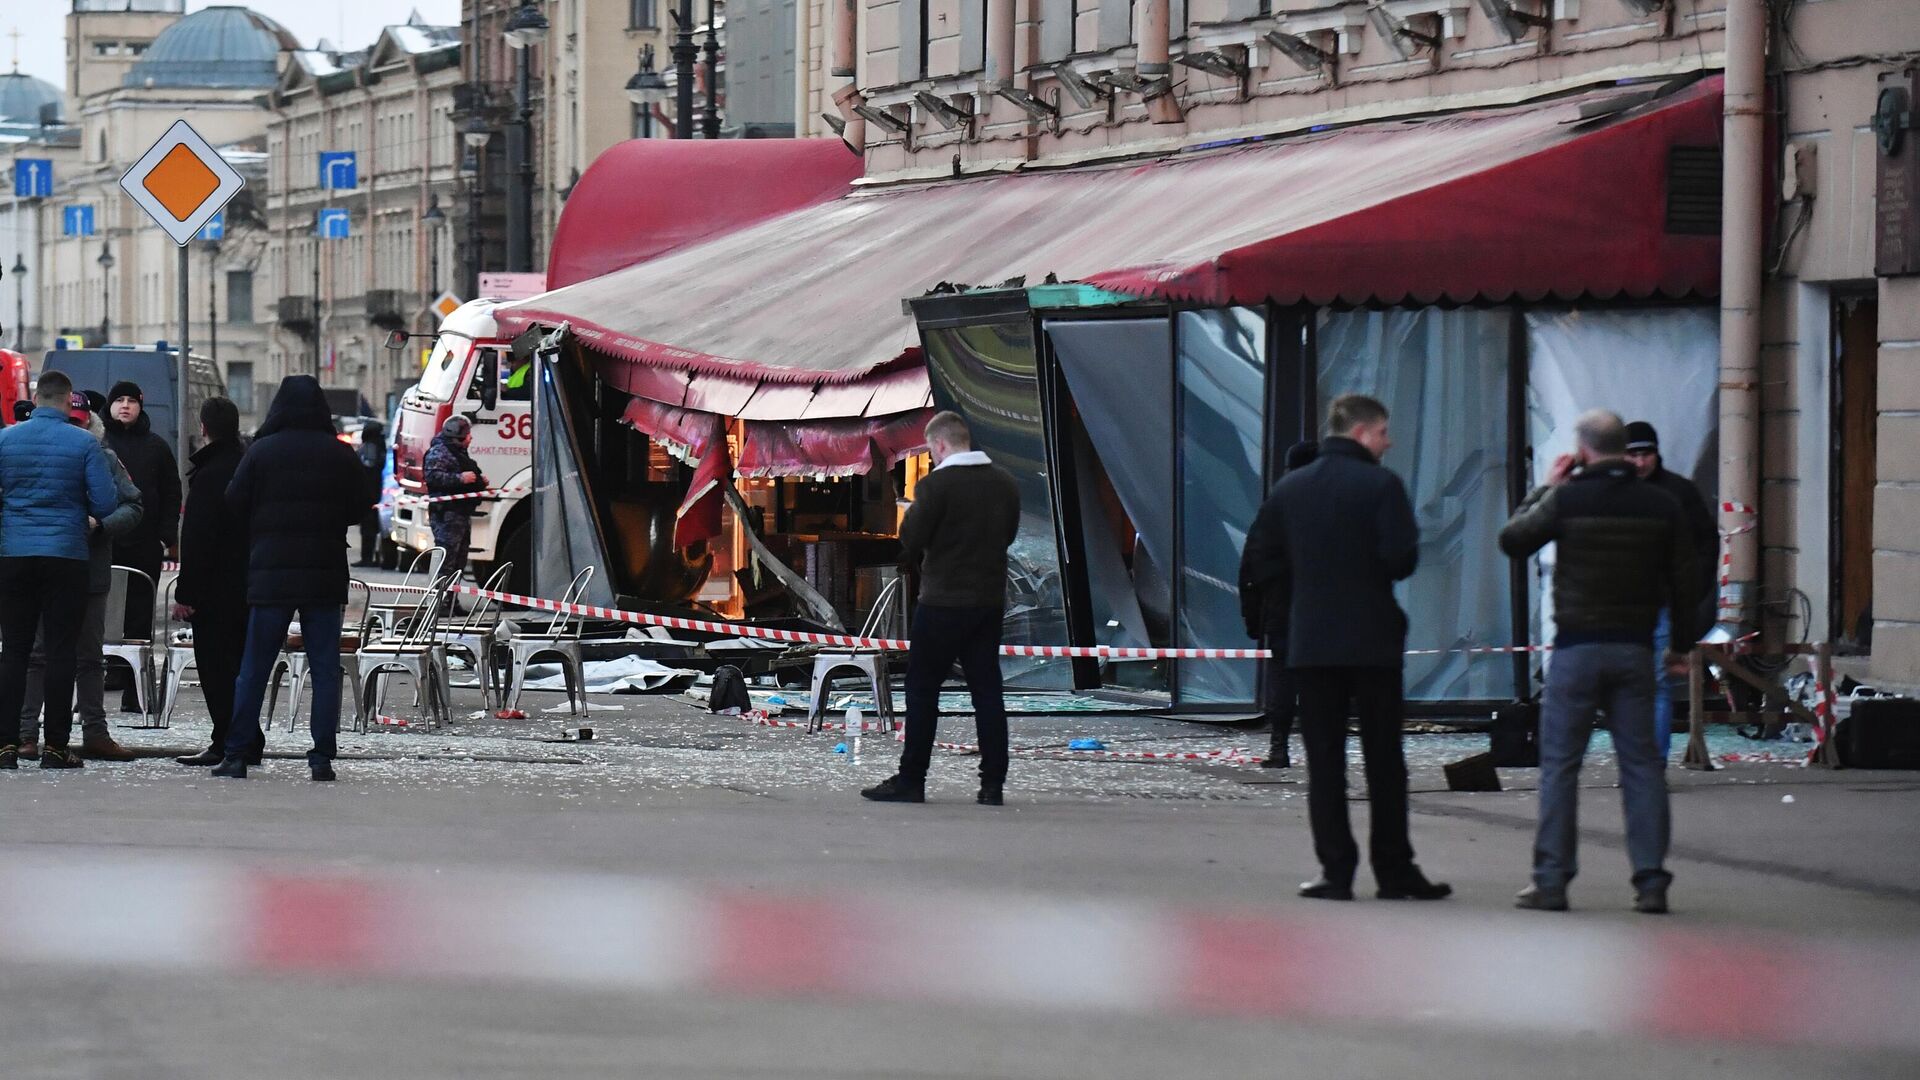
(422, 573)
(136, 653)
(473, 633)
(293, 662)
(410, 647)
(174, 659)
(562, 641)
(881, 623)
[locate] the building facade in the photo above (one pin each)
(362, 247)
(36, 136)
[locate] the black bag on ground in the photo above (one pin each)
(1880, 733)
(1516, 735)
(729, 690)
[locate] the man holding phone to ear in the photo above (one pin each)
(1623, 552)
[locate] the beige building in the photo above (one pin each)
(1817, 422)
(111, 274)
(333, 299)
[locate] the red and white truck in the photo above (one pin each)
(465, 375)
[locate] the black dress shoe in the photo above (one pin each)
(1323, 889)
(1414, 886)
(1535, 898)
(203, 759)
(59, 757)
(990, 795)
(233, 766)
(9, 757)
(323, 770)
(1277, 761)
(894, 789)
(1651, 900)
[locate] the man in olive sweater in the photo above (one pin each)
(964, 518)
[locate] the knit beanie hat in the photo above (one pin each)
(126, 388)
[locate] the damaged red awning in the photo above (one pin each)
(645, 197)
(1565, 198)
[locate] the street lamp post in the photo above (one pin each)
(20, 301)
(683, 53)
(475, 136)
(710, 106)
(213, 304)
(646, 89)
(434, 219)
(106, 277)
(525, 29)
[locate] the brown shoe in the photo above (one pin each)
(104, 748)
(29, 751)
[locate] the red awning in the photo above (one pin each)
(1563, 198)
(830, 447)
(645, 197)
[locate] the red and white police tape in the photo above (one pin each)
(1466, 969)
(424, 500)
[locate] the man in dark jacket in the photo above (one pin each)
(1622, 552)
(89, 690)
(373, 457)
(1333, 539)
(964, 517)
(54, 483)
(1643, 452)
(151, 463)
(298, 489)
(450, 470)
(211, 594)
(1263, 606)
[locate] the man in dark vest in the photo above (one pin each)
(1336, 536)
(964, 517)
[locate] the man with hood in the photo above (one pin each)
(211, 595)
(298, 488)
(373, 457)
(451, 470)
(150, 461)
(89, 689)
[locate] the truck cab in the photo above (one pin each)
(466, 374)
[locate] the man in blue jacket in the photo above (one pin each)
(55, 486)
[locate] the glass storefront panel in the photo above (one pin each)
(1222, 375)
(1443, 377)
(988, 373)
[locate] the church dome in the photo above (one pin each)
(21, 96)
(215, 47)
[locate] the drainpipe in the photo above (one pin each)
(1000, 43)
(1742, 217)
(1153, 30)
(844, 65)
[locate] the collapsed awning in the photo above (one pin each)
(645, 197)
(1566, 198)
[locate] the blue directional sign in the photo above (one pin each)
(32, 178)
(214, 229)
(338, 170)
(332, 223)
(76, 221)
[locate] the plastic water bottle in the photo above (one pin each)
(856, 723)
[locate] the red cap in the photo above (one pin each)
(77, 408)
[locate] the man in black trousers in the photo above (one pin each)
(1336, 536)
(1263, 605)
(212, 593)
(964, 517)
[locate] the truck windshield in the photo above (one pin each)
(441, 380)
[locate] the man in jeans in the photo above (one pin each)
(1623, 553)
(964, 518)
(55, 485)
(298, 490)
(1643, 452)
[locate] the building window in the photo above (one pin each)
(641, 16)
(240, 385)
(106, 48)
(240, 297)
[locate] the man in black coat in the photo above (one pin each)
(1335, 536)
(1643, 453)
(211, 594)
(150, 461)
(298, 489)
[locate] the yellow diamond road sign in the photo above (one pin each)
(181, 182)
(445, 304)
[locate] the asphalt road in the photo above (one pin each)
(689, 896)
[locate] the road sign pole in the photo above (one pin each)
(180, 396)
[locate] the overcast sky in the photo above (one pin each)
(345, 23)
